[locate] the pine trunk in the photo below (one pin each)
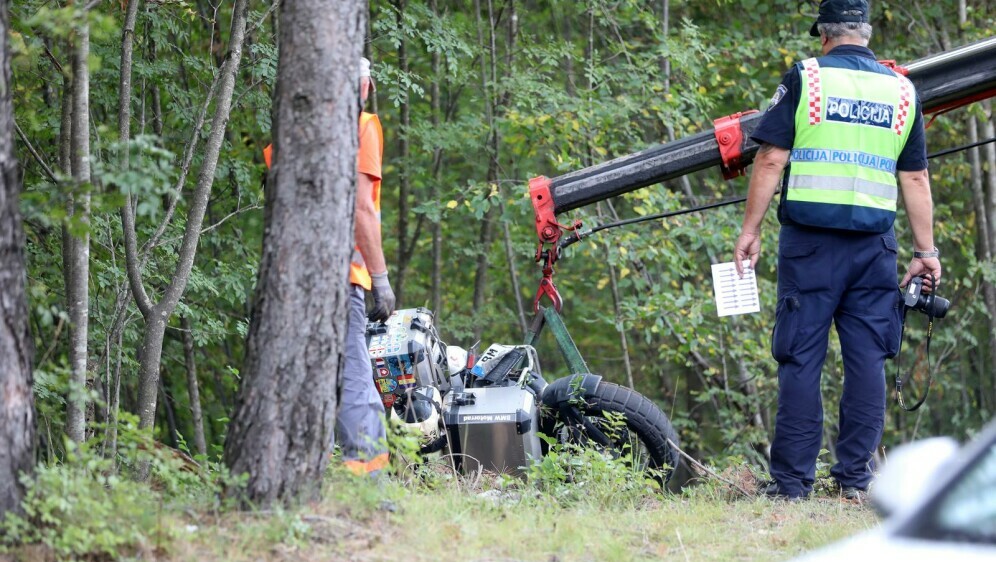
(285, 410)
(17, 412)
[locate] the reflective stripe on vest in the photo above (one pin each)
(814, 97)
(843, 162)
(905, 97)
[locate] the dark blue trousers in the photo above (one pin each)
(851, 279)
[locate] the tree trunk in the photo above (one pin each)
(620, 327)
(78, 290)
(66, 167)
(489, 83)
(989, 210)
(17, 411)
(404, 169)
(989, 165)
(437, 225)
(285, 410)
(192, 386)
(174, 437)
(111, 435)
(513, 274)
(157, 314)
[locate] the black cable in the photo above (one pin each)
(959, 148)
(576, 236)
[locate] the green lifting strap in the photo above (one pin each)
(550, 316)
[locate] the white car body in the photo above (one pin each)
(941, 506)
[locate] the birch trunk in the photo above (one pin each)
(78, 291)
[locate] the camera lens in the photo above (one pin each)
(937, 306)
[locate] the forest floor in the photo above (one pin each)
(600, 513)
(389, 521)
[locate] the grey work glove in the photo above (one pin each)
(384, 300)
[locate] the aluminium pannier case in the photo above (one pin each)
(494, 428)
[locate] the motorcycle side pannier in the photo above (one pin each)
(494, 428)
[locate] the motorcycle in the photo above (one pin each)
(497, 412)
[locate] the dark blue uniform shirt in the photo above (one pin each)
(777, 126)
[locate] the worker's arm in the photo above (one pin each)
(368, 240)
(367, 229)
(920, 210)
(769, 163)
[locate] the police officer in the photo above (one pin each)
(839, 131)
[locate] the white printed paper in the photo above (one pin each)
(735, 295)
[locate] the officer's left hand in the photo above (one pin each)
(748, 247)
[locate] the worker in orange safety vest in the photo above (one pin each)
(359, 427)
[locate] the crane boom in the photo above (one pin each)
(943, 82)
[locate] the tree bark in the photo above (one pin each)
(111, 435)
(437, 225)
(174, 437)
(17, 411)
(989, 210)
(617, 309)
(285, 409)
(513, 274)
(78, 290)
(404, 169)
(489, 84)
(989, 165)
(192, 387)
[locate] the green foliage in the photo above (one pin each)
(77, 510)
(571, 473)
(89, 504)
(584, 82)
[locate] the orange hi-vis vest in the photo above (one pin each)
(368, 161)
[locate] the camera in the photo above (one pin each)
(927, 303)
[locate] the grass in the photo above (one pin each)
(576, 505)
(387, 521)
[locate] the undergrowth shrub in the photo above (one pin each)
(572, 474)
(579, 471)
(90, 505)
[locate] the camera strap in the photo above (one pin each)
(899, 378)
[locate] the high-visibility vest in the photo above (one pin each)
(358, 273)
(851, 124)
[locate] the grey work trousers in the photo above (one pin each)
(360, 420)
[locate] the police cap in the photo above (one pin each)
(841, 11)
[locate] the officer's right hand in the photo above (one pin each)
(384, 299)
(748, 247)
